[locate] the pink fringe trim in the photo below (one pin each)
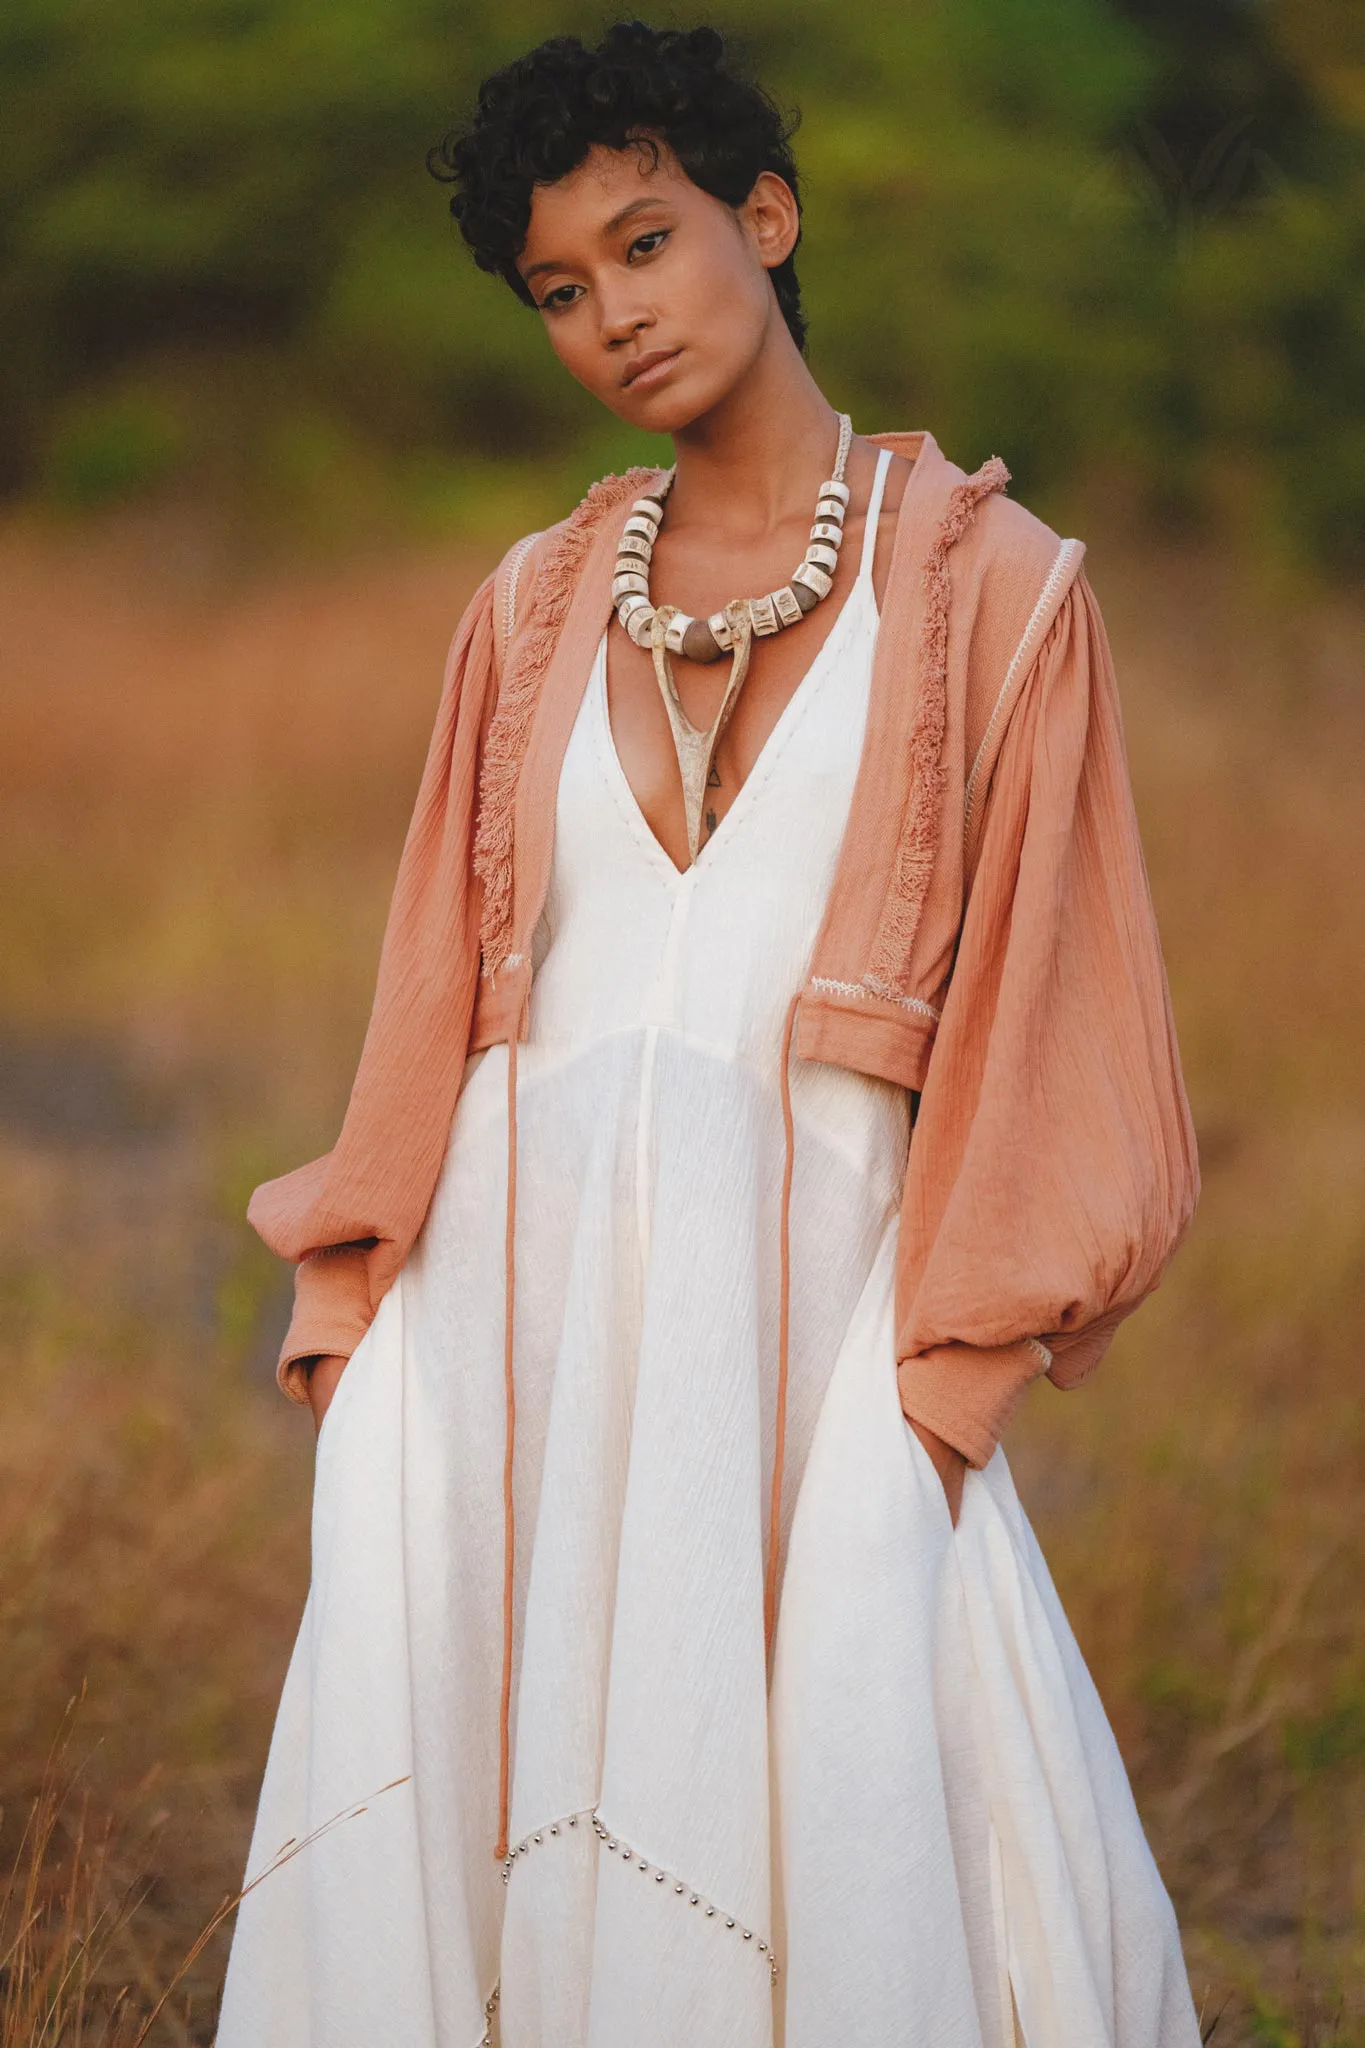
(918, 845)
(510, 729)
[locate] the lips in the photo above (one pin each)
(646, 367)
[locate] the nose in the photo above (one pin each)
(623, 317)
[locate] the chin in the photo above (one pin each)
(673, 408)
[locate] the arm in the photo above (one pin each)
(348, 1219)
(1052, 1169)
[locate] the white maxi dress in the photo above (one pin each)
(919, 1833)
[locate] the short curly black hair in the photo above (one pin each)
(537, 118)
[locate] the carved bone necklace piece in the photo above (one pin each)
(665, 630)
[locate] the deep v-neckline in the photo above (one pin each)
(861, 591)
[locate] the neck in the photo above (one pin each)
(757, 457)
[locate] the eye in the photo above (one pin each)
(555, 301)
(656, 236)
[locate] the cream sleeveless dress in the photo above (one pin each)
(922, 1832)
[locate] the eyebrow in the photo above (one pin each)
(618, 220)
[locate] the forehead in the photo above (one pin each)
(583, 205)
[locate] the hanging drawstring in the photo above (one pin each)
(783, 1322)
(509, 1532)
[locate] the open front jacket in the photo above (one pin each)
(988, 943)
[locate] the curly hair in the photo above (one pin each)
(537, 118)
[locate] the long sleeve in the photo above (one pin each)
(1052, 1168)
(349, 1218)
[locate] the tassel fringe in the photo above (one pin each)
(918, 845)
(510, 729)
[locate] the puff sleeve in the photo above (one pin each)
(1052, 1168)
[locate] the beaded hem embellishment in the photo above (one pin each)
(617, 1847)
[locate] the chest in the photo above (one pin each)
(778, 667)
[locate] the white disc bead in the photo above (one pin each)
(814, 578)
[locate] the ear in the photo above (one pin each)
(770, 212)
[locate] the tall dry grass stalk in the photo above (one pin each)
(203, 791)
(72, 1970)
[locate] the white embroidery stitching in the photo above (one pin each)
(523, 548)
(870, 986)
(627, 1854)
(490, 974)
(1061, 562)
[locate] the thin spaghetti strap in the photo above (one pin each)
(874, 506)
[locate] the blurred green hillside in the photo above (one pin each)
(1120, 241)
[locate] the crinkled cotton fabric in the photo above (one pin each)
(918, 1830)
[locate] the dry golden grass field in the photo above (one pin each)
(204, 782)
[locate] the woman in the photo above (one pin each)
(667, 1573)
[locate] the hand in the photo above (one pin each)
(949, 1464)
(322, 1384)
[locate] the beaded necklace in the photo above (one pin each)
(666, 630)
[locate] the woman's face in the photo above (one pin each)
(655, 296)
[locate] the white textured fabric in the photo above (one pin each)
(928, 1807)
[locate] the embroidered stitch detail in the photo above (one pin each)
(918, 843)
(628, 1854)
(889, 994)
(521, 551)
(1061, 563)
(1037, 1345)
(511, 724)
(868, 987)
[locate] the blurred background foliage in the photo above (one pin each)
(1120, 241)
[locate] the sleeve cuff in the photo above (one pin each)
(966, 1393)
(332, 1312)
